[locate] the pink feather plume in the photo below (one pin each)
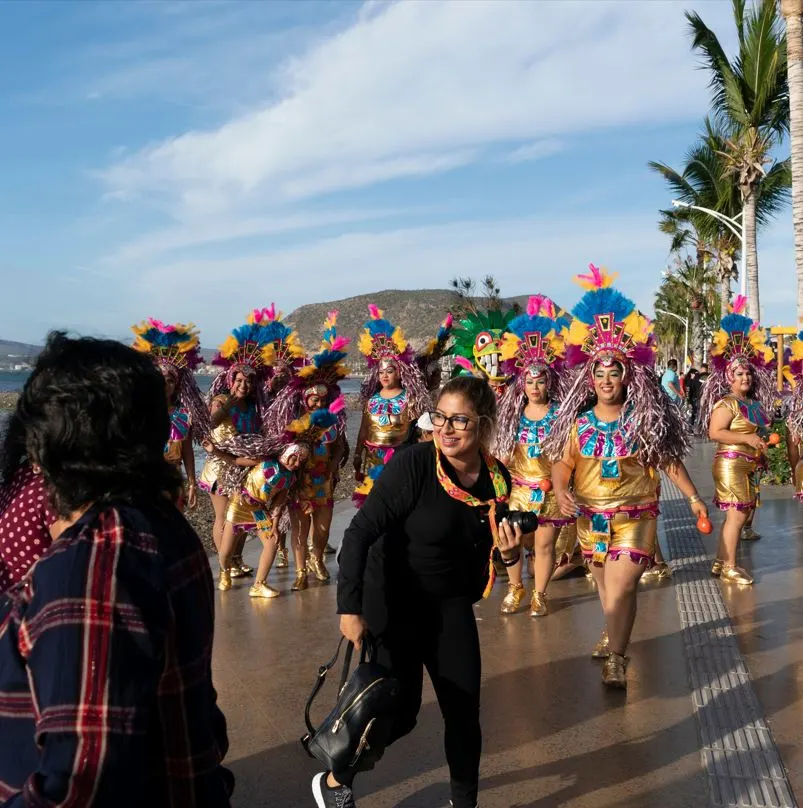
(739, 304)
(595, 278)
(373, 311)
(338, 405)
(463, 362)
(534, 305)
(449, 321)
(340, 343)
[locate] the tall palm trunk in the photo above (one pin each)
(750, 257)
(724, 292)
(793, 12)
(697, 335)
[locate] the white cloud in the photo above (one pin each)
(534, 151)
(412, 88)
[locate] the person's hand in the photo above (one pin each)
(756, 442)
(353, 628)
(509, 539)
(699, 509)
(209, 447)
(566, 503)
(192, 496)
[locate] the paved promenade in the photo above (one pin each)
(711, 715)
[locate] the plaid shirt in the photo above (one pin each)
(106, 694)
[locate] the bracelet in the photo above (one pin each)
(694, 499)
(511, 562)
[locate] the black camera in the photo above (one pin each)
(526, 520)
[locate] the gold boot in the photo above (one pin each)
(224, 580)
(512, 601)
(538, 605)
(735, 575)
(317, 568)
(282, 561)
(300, 582)
(602, 649)
(614, 671)
(244, 569)
(748, 534)
(260, 589)
(716, 567)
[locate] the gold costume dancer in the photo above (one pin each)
(394, 395)
(735, 407)
(615, 431)
(532, 354)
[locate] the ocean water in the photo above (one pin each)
(12, 381)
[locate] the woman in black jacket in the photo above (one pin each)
(434, 508)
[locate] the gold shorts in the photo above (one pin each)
(241, 514)
(636, 538)
(736, 483)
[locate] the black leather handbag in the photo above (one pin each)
(355, 733)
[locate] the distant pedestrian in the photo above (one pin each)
(693, 388)
(670, 381)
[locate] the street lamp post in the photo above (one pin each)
(686, 339)
(735, 225)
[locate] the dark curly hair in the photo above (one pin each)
(95, 418)
(12, 451)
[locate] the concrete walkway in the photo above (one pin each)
(553, 735)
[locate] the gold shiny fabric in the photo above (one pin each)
(214, 465)
(174, 451)
(635, 485)
(391, 434)
(531, 470)
(799, 479)
(240, 512)
(736, 478)
(639, 535)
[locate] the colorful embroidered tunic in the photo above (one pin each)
(388, 421)
(316, 488)
(617, 497)
(251, 507)
(529, 467)
(738, 467)
(179, 429)
(238, 422)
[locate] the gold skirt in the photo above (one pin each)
(736, 480)
(525, 498)
(636, 538)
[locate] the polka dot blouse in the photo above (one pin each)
(25, 516)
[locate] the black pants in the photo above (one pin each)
(440, 635)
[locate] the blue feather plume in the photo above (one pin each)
(603, 301)
(736, 323)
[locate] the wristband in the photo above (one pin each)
(512, 561)
(694, 499)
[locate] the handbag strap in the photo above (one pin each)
(366, 652)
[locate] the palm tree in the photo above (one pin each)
(705, 181)
(792, 11)
(751, 105)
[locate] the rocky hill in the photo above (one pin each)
(418, 312)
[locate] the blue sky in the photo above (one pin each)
(192, 160)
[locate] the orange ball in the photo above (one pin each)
(704, 525)
(545, 485)
(774, 439)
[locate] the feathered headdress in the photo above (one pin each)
(176, 349)
(312, 426)
(739, 341)
(437, 346)
(263, 342)
(794, 374)
(608, 328)
(477, 344)
(381, 342)
(534, 340)
(320, 373)
(532, 344)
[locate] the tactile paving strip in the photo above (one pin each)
(739, 754)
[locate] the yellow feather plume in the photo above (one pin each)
(399, 340)
(365, 344)
(509, 346)
(577, 333)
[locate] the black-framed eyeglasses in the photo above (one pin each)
(459, 422)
